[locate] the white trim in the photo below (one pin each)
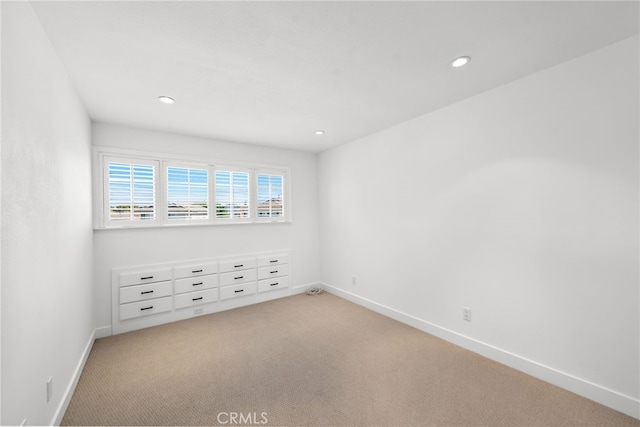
(105, 220)
(98, 190)
(103, 332)
(285, 195)
(68, 394)
(101, 219)
(300, 289)
(164, 185)
(607, 397)
(232, 170)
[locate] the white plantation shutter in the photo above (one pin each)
(131, 191)
(187, 193)
(270, 196)
(232, 195)
(140, 189)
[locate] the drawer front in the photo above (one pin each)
(238, 290)
(192, 270)
(145, 308)
(273, 271)
(145, 276)
(271, 284)
(196, 298)
(145, 292)
(237, 264)
(196, 283)
(241, 276)
(273, 259)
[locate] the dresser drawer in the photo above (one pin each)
(273, 271)
(145, 292)
(145, 308)
(198, 283)
(237, 264)
(241, 276)
(145, 276)
(273, 259)
(196, 298)
(271, 284)
(191, 270)
(237, 290)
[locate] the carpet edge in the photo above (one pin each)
(602, 395)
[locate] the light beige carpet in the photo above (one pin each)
(311, 360)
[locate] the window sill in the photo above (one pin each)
(189, 225)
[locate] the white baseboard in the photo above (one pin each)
(68, 394)
(295, 290)
(610, 398)
(102, 332)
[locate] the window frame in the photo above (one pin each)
(111, 223)
(234, 169)
(162, 162)
(285, 195)
(164, 185)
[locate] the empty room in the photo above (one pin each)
(320, 213)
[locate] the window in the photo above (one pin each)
(187, 193)
(131, 191)
(142, 189)
(232, 195)
(270, 196)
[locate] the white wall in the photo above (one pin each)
(122, 248)
(0, 223)
(47, 261)
(520, 203)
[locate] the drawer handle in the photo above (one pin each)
(146, 278)
(146, 292)
(275, 284)
(274, 260)
(239, 290)
(146, 308)
(197, 284)
(238, 266)
(239, 277)
(273, 272)
(196, 299)
(196, 271)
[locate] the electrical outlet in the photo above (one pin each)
(198, 310)
(354, 280)
(49, 388)
(466, 314)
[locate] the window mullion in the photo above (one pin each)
(245, 193)
(132, 196)
(214, 193)
(253, 188)
(163, 188)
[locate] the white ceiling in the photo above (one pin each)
(272, 73)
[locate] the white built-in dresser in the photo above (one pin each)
(149, 295)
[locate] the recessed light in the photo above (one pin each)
(319, 132)
(166, 99)
(460, 61)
